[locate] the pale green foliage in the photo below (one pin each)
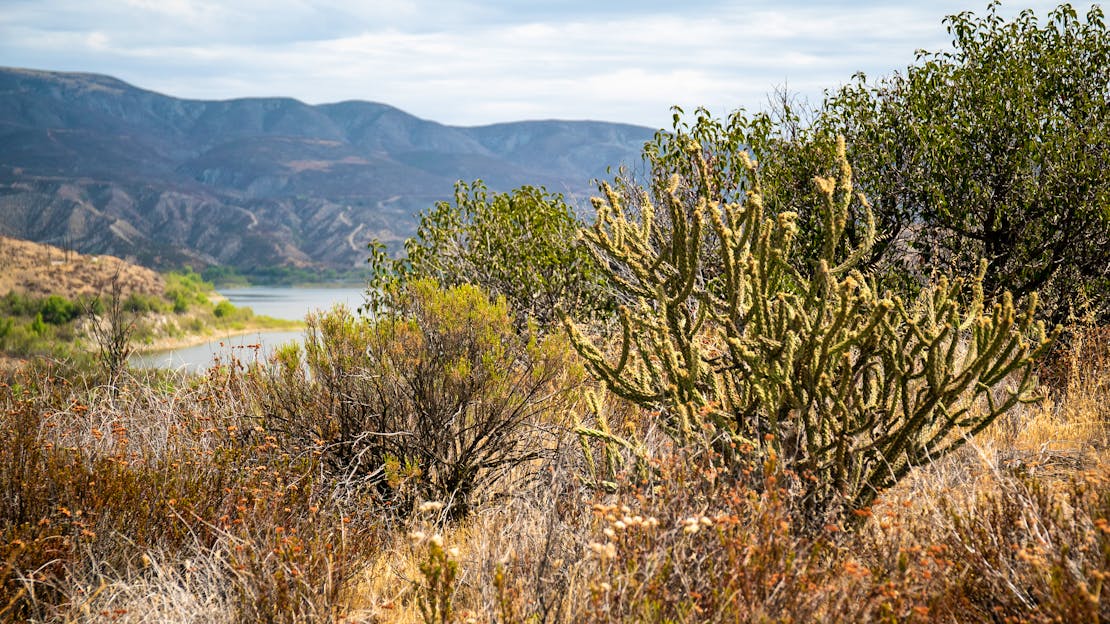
(438, 398)
(434, 596)
(519, 245)
(725, 330)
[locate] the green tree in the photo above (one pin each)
(520, 245)
(996, 151)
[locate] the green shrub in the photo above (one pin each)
(38, 327)
(438, 399)
(58, 310)
(92, 306)
(139, 303)
(805, 367)
(18, 304)
(520, 245)
(186, 288)
(223, 309)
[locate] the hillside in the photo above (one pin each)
(39, 270)
(105, 167)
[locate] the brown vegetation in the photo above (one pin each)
(187, 502)
(39, 270)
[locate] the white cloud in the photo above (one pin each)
(478, 62)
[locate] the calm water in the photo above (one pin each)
(283, 303)
(293, 303)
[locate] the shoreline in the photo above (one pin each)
(171, 343)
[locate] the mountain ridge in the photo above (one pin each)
(112, 168)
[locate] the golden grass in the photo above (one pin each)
(169, 501)
(39, 270)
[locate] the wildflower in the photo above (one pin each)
(417, 536)
(690, 525)
(430, 506)
(603, 551)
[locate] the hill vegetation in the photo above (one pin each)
(778, 408)
(56, 299)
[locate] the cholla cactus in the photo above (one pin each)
(723, 330)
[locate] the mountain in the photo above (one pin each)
(100, 166)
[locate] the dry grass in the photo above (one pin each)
(39, 270)
(169, 501)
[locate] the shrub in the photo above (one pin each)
(141, 304)
(439, 398)
(58, 310)
(1033, 551)
(38, 327)
(113, 330)
(18, 304)
(520, 245)
(847, 388)
(186, 288)
(223, 309)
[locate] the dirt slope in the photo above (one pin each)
(40, 270)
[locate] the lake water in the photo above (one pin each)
(293, 303)
(283, 303)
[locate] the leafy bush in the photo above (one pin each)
(186, 288)
(519, 245)
(223, 309)
(18, 304)
(55, 309)
(439, 398)
(58, 310)
(38, 327)
(725, 329)
(994, 151)
(140, 304)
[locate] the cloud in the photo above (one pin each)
(472, 62)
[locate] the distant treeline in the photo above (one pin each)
(226, 276)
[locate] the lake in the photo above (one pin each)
(284, 303)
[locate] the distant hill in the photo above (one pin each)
(40, 270)
(102, 167)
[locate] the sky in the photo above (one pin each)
(473, 62)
